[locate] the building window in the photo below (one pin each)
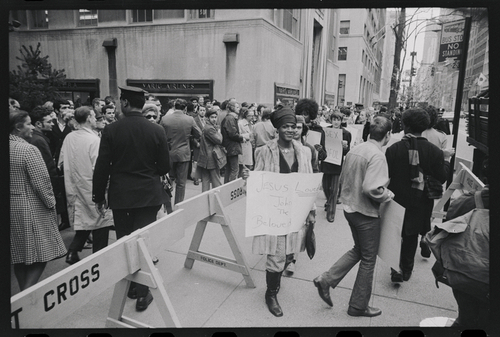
(202, 14)
(112, 15)
(341, 90)
(342, 53)
(344, 27)
(39, 19)
(87, 17)
(168, 14)
(290, 21)
(142, 15)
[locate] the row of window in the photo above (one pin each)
(287, 19)
(40, 19)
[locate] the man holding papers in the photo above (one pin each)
(364, 180)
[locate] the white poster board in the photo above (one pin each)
(313, 137)
(333, 144)
(356, 131)
(391, 216)
(278, 204)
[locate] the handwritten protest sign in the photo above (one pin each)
(313, 137)
(333, 144)
(391, 224)
(356, 131)
(278, 204)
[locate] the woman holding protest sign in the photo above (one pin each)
(281, 155)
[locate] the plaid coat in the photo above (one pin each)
(34, 235)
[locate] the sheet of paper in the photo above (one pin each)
(356, 131)
(333, 145)
(391, 215)
(313, 137)
(278, 204)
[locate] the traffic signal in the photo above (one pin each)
(413, 71)
(432, 71)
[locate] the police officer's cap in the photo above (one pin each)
(129, 90)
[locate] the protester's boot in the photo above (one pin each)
(289, 269)
(273, 285)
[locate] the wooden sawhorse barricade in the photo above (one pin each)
(464, 180)
(130, 259)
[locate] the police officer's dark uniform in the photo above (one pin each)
(133, 154)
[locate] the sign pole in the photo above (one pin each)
(458, 99)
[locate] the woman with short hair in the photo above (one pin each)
(34, 234)
(150, 111)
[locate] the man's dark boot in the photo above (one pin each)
(273, 286)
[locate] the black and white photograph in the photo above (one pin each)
(249, 168)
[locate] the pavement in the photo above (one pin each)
(210, 297)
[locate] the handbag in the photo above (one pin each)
(219, 154)
(310, 240)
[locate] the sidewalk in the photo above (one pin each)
(207, 296)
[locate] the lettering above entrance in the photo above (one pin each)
(286, 94)
(174, 86)
(79, 85)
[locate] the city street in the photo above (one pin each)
(207, 296)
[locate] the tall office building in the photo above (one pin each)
(361, 45)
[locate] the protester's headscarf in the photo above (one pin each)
(283, 116)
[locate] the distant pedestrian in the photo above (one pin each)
(264, 130)
(179, 129)
(232, 141)
(207, 169)
(34, 236)
(364, 180)
(331, 172)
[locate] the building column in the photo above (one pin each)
(110, 45)
(231, 41)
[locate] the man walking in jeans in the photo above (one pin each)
(364, 181)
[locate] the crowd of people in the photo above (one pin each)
(98, 169)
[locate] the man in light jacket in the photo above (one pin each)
(78, 157)
(364, 180)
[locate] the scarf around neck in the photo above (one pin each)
(416, 173)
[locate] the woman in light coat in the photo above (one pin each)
(207, 168)
(244, 124)
(34, 234)
(281, 155)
